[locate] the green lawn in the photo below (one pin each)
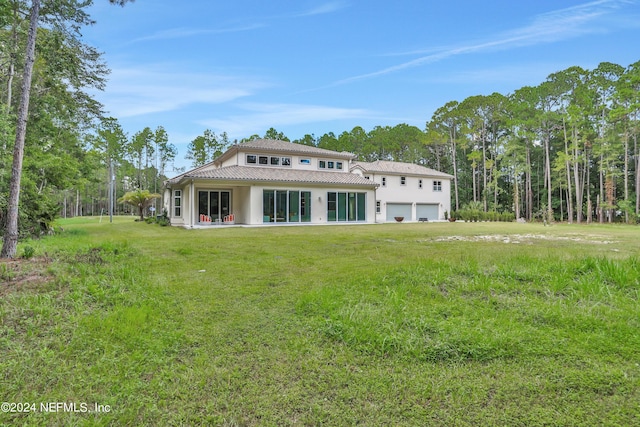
(399, 324)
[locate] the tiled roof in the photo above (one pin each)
(260, 174)
(398, 168)
(275, 146)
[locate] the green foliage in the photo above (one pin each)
(140, 199)
(28, 252)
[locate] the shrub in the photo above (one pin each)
(28, 252)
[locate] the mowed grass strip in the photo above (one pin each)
(398, 324)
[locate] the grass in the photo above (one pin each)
(398, 324)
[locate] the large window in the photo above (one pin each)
(346, 206)
(177, 202)
(286, 206)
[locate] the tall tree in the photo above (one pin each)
(10, 238)
(60, 14)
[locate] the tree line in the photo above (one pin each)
(565, 149)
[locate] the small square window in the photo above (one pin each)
(437, 185)
(263, 160)
(330, 165)
(275, 161)
(322, 164)
(251, 159)
(339, 165)
(286, 161)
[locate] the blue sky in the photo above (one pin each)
(319, 66)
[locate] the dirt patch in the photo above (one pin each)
(525, 239)
(23, 275)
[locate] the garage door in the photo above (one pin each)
(398, 209)
(427, 211)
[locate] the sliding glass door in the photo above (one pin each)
(213, 205)
(346, 206)
(286, 206)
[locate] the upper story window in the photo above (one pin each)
(384, 181)
(330, 165)
(367, 177)
(305, 161)
(403, 180)
(419, 183)
(253, 159)
(437, 185)
(339, 165)
(322, 164)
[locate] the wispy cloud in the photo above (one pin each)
(259, 117)
(324, 9)
(176, 33)
(160, 88)
(548, 27)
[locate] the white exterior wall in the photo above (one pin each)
(246, 203)
(318, 203)
(394, 192)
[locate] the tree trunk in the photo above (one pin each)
(529, 184)
(601, 196)
(568, 167)
(576, 177)
(10, 240)
(626, 175)
(548, 174)
(455, 168)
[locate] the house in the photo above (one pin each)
(277, 182)
(407, 190)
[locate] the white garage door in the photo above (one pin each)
(398, 209)
(428, 211)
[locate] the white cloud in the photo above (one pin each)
(138, 91)
(175, 33)
(259, 117)
(324, 9)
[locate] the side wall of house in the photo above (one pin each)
(418, 194)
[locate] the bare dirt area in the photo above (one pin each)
(527, 239)
(23, 275)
